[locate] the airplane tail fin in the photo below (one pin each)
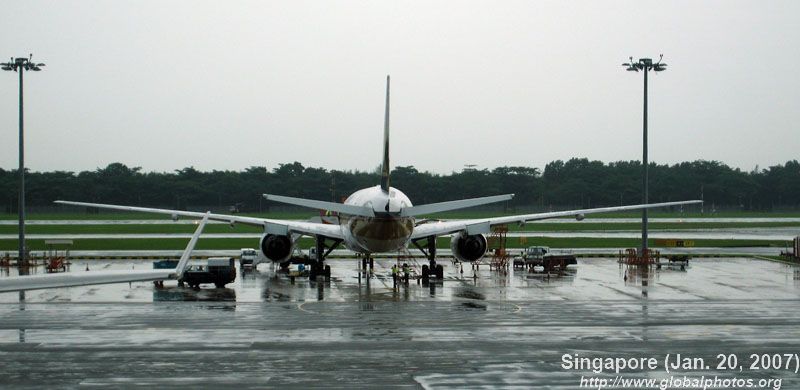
(385, 169)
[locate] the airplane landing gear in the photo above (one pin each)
(367, 261)
(318, 266)
(432, 269)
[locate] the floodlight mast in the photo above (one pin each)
(20, 65)
(645, 65)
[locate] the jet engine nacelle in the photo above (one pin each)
(275, 247)
(468, 248)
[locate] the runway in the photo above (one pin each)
(494, 330)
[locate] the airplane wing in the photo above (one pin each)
(71, 279)
(483, 226)
(273, 226)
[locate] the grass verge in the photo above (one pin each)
(305, 243)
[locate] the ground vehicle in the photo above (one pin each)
(307, 260)
(534, 256)
(247, 258)
(217, 270)
(531, 256)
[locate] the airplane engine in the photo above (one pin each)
(468, 248)
(277, 248)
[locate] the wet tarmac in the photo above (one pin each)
(491, 330)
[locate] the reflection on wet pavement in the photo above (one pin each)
(265, 330)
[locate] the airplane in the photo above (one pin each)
(71, 279)
(378, 219)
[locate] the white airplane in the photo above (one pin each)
(379, 219)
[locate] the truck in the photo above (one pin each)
(248, 258)
(543, 256)
(217, 270)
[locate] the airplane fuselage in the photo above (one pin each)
(387, 231)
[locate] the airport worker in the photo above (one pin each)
(406, 271)
(395, 270)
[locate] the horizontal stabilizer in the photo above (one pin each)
(322, 205)
(452, 205)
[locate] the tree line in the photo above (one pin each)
(578, 182)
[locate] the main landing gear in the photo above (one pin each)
(323, 249)
(431, 270)
(367, 261)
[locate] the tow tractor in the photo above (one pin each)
(217, 270)
(542, 256)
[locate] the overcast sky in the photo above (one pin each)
(227, 85)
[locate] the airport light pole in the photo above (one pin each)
(645, 65)
(20, 65)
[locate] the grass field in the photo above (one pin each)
(464, 214)
(305, 243)
(169, 227)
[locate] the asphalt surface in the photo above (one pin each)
(493, 330)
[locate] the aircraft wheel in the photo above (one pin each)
(440, 271)
(328, 271)
(425, 272)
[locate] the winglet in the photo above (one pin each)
(385, 165)
(187, 253)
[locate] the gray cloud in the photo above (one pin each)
(227, 85)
